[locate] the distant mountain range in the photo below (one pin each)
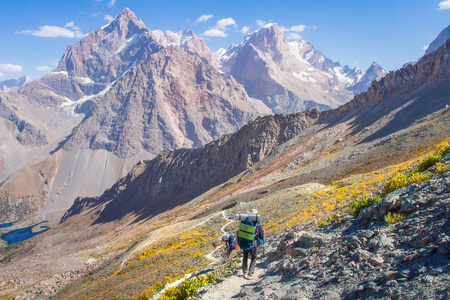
(8, 85)
(290, 77)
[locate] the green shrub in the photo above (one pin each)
(444, 148)
(189, 287)
(396, 182)
(429, 161)
(442, 168)
(393, 218)
(416, 177)
(362, 203)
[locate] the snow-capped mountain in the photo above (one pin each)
(10, 84)
(355, 79)
(290, 77)
(265, 65)
(374, 72)
(119, 95)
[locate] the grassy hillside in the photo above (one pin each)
(170, 254)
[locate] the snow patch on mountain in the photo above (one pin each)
(127, 43)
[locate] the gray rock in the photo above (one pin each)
(436, 271)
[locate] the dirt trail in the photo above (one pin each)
(231, 287)
(210, 255)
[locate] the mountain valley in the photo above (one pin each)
(141, 146)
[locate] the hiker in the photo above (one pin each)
(230, 245)
(250, 236)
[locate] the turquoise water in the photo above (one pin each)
(6, 224)
(22, 234)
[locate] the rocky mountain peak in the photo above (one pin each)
(127, 19)
(374, 72)
(101, 57)
(269, 39)
(375, 67)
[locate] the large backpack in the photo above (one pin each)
(246, 235)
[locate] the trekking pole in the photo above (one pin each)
(265, 260)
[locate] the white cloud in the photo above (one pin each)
(43, 68)
(214, 32)
(204, 18)
(10, 68)
(68, 31)
(111, 3)
(220, 29)
(293, 36)
(298, 28)
(245, 29)
(108, 18)
(224, 23)
(443, 5)
(72, 25)
(1, 74)
(260, 23)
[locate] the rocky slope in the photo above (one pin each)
(173, 176)
(363, 258)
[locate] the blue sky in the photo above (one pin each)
(35, 33)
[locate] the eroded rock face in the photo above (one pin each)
(27, 133)
(173, 172)
(172, 100)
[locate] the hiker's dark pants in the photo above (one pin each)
(254, 255)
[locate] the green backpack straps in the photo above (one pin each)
(246, 231)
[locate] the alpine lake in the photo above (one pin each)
(22, 234)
